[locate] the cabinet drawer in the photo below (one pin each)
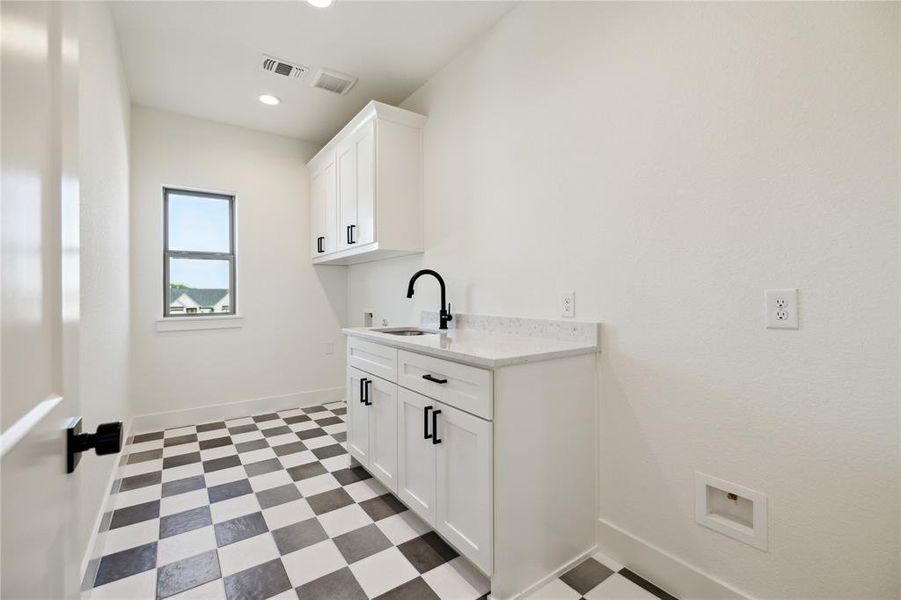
(464, 387)
(375, 359)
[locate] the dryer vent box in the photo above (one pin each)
(731, 509)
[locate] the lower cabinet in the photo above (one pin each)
(357, 416)
(416, 454)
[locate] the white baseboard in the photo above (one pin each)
(232, 410)
(661, 568)
(551, 576)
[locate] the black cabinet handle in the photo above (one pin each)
(366, 387)
(363, 390)
(433, 379)
(435, 439)
(319, 241)
(350, 234)
(425, 422)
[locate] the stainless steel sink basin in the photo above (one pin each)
(405, 331)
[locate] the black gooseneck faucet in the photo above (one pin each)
(444, 314)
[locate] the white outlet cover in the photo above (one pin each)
(568, 304)
(781, 308)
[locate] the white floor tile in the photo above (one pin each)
(239, 421)
(316, 485)
(343, 520)
(294, 412)
(364, 490)
(303, 426)
(213, 434)
(383, 571)
(247, 553)
(144, 446)
(457, 580)
(142, 585)
(138, 495)
(246, 437)
(617, 587)
(181, 449)
(138, 534)
(336, 463)
(256, 455)
(319, 442)
(214, 590)
(402, 527)
(555, 590)
(336, 428)
(234, 507)
(224, 476)
(140, 468)
(270, 480)
(187, 544)
(313, 562)
(171, 433)
(287, 514)
(176, 473)
(182, 502)
(220, 452)
(285, 438)
(297, 458)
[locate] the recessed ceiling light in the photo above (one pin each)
(320, 3)
(269, 99)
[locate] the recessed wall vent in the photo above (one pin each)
(333, 81)
(281, 67)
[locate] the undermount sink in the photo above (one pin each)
(405, 331)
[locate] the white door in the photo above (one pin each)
(415, 453)
(39, 291)
(347, 194)
(358, 416)
(464, 483)
(364, 141)
(323, 211)
(381, 399)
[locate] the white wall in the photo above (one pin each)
(669, 162)
(103, 117)
(290, 308)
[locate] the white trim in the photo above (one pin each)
(232, 410)
(197, 323)
(550, 576)
(665, 570)
(18, 430)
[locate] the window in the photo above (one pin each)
(198, 253)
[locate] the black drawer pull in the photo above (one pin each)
(425, 422)
(366, 387)
(433, 379)
(319, 241)
(350, 234)
(363, 390)
(435, 439)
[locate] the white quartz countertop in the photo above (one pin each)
(494, 344)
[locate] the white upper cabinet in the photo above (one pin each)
(366, 188)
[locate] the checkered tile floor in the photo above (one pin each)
(599, 578)
(266, 507)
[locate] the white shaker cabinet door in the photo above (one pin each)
(463, 486)
(358, 415)
(416, 453)
(364, 143)
(381, 397)
(324, 211)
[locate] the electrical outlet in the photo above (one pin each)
(568, 304)
(781, 309)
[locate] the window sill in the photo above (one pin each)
(196, 323)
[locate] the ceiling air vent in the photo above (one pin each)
(333, 81)
(281, 67)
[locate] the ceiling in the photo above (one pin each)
(202, 58)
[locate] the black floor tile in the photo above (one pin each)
(290, 448)
(138, 457)
(180, 439)
(329, 451)
(360, 543)
(180, 486)
(137, 513)
(296, 419)
(188, 573)
(226, 491)
(262, 467)
(307, 434)
(211, 426)
(351, 475)
(299, 535)
(188, 520)
(341, 436)
(242, 429)
(427, 552)
(415, 589)
(339, 585)
(251, 445)
(126, 563)
(263, 418)
(215, 443)
(646, 585)
(181, 460)
(217, 464)
(148, 437)
(278, 495)
(240, 528)
(314, 409)
(262, 581)
(382, 507)
(143, 480)
(328, 421)
(281, 430)
(306, 471)
(329, 501)
(586, 576)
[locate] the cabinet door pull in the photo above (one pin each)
(433, 379)
(435, 439)
(363, 390)
(366, 387)
(350, 234)
(425, 422)
(319, 241)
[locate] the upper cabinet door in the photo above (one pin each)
(347, 195)
(364, 143)
(464, 493)
(323, 211)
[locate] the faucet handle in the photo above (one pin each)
(450, 317)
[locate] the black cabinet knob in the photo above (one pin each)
(106, 440)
